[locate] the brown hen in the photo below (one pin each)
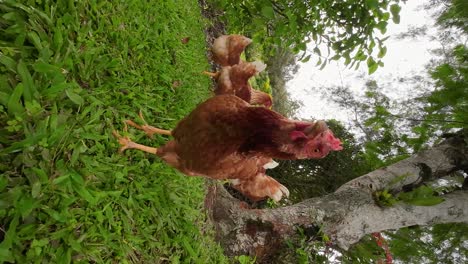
(235, 80)
(227, 49)
(227, 138)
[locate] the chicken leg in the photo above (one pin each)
(211, 74)
(149, 130)
(127, 143)
(166, 152)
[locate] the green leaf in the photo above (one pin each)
(426, 201)
(385, 16)
(61, 179)
(347, 61)
(306, 59)
(395, 10)
(382, 52)
(301, 46)
(35, 40)
(85, 194)
(317, 51)
(7, 243)
(318, 62)
(43, 67)
(55, 215)
(21, 144)
(25, 205)
(58, 38)
(75, 98)
(268, 12)
(30, 91)
(77, 178)
(371, 65)
(360, 56)
(37, 245)
(54, 90)
(371, 46)
(36, 189)
(382, 26)
(384, 198)
(188, 247)
(421, 196)
(323, 64)
(8, 62)
(14, 102)
(372, 3)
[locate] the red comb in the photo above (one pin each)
(335, 143)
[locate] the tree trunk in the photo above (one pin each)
(348, 214)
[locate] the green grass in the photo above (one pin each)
(70, 73)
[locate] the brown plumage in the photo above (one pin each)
(235, 80)
(226, 138)
(260, 98)
(227, 49)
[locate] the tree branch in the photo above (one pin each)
(278, 9)
(371, 218)
(428, 120)
(447, 157)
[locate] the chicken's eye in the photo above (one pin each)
(316, 150)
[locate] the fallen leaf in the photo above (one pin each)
(176, 84)
(185, 40)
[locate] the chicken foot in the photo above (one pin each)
(127, 143)
(149, 130)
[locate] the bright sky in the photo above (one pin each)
(403, 57)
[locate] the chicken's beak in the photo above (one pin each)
(247, 41)
(259, 66)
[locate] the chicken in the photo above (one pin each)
(235, 80)
(227, 138)
(226, 49)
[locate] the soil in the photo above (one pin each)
(216, 28)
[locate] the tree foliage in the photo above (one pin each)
(444, 242)
(351, 29)
(449, 100)
(281, 68)
(454, 14)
